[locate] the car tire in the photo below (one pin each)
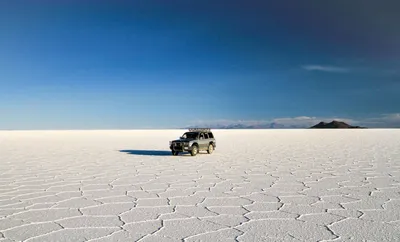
(210, 148)
(175, 153)
(194, 150)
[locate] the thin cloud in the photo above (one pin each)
(392, 72)
(325, 68)
(391, 120)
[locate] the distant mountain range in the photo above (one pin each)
(335, 125)
(253, 126)
(274, 125)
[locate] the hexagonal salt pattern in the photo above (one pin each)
(258, 185)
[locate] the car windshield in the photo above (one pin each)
(190, 135)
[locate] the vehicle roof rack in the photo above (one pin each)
(199, 129)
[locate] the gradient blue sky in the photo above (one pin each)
(162, 64)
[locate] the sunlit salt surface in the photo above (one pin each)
(258, 185)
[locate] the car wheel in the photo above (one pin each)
(194, 150)
(175, 153)
(210, 148)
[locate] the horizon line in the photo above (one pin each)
(159, 129)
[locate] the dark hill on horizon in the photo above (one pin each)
(335, 125)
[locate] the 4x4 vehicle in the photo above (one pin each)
(194, 141)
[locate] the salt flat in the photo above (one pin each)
(259, 185)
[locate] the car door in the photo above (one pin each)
(202, 141)
(206, 141)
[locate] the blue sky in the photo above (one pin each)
(166, 64)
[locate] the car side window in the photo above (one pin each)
(201, 136)
(205, 135)
(210, 135)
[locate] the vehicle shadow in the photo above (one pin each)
(148, 152)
